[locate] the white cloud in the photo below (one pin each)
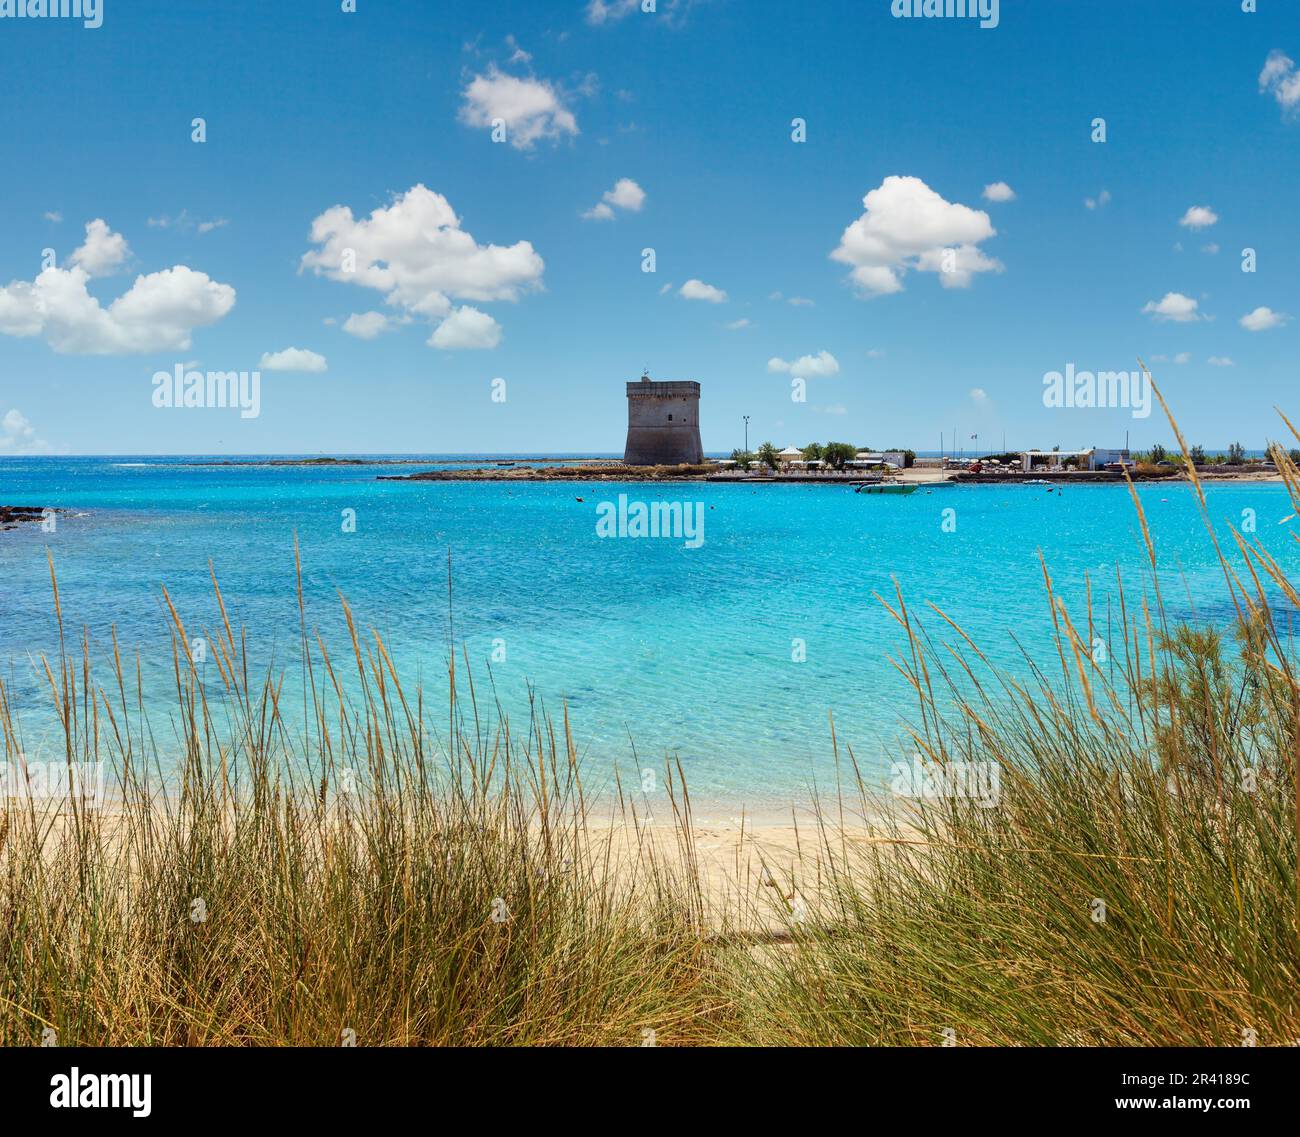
(698, 290)
(999, 191)
(736, 325)
(416, 254)
(1280, 78)
(520, 55)
(1198, 217)
(626, 194)
(1183, 357)
(293, 359)
(184, 223)
(1262, 320)
(466, 329)
(1173, 306)
(103, 252)
(158, 312)
(1211, 248)
(367, 325)
(807, 366)
(18, 436)
(532, 109)
(605, 11)
(54, 216)
(876, 353)
(1220, 361)
(1099, 202)
(908, 226)
(979, 395)
(800, 302)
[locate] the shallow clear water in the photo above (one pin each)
(678, 650)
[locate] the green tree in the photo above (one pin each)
(767, 454)
(835, 454)
(1158, 454)
(743, 458)
(1198, 455)
(1236, 453)
(812, 452)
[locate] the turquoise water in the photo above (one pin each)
(678, 650)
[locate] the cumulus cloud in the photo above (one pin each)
(908, 226)
(415, 253)
(626, 194)
(1280, 79)
(1099, 202)
(999, 191)
(367, 325)
(293, 359)
(466, 329)
(1198, 217)
(102, 253)
(53, 216)
(158, 312)
(1220, 361)
(807, 366)
(1262, 320)
(1172, 306)
(698, 290)
(18, 436)
(979, 395)
(736, 325)
(531, 109)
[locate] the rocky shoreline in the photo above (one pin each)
(11, 516)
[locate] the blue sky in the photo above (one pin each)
(310, 109)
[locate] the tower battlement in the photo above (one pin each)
(663, 423)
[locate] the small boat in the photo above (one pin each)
(886, 487)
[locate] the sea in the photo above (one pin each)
(731, 654)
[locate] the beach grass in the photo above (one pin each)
(353, 879)
(1097, 852)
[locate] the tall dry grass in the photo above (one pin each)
(1135, 883)
(294, 881)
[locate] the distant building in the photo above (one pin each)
(1094, 458)
(663, 423)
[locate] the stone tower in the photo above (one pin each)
(663, 423)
